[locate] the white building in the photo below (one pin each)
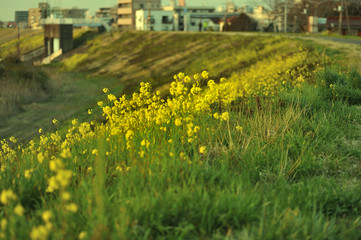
(159, 20)
(209, 21)
(263, 17)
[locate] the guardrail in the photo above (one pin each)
(32, 54)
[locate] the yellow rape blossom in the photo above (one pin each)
(71, 207)
(205, 74)
(202, 149)
(39, 233)
(4, 224)
(47, 215)
(7, 196)
(19, 210)
(82, 235)
(224, 116)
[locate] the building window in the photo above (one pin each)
(165, 19)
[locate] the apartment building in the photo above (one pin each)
(127, 8)
(34, 18)
(21, 18)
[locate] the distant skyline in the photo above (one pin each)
(8, 8)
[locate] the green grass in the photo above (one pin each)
(291, 172)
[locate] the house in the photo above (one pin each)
(243, 22)
(263, 18)
(354, 22)
(127, 8)
(209, 21)
(184, 16)
(159, 20)
(316, 24)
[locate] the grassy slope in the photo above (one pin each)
(26, 107)
(293, 172)
(120, 61)
(133, 57)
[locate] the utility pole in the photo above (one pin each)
(149, 16)
(347, 17)
(340, 19)
(18, 42)
(285, 18)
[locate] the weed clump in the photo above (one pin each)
(19, 85)
(337, 85)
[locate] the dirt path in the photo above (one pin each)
(72, 96)
(351, 50)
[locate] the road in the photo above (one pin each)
(342, 40)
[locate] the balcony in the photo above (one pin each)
(122, 11)
(124, 1)
(124, 21)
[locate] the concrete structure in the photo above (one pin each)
(80, 22)
(69, 13)
(56, 37)
(34, 18)
(160, 20)
(22, 18)
(127, 9)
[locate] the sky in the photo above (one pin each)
(8, 7)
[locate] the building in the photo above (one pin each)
(127, 9)
(230, 7)
(354, 23)
(263, 17)
(185, 17)
(45, 9)
(34, 18)
(210, 21)
(108, 12)
(69, 13)
(159, 20)
(243, 22)
(21, 18)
